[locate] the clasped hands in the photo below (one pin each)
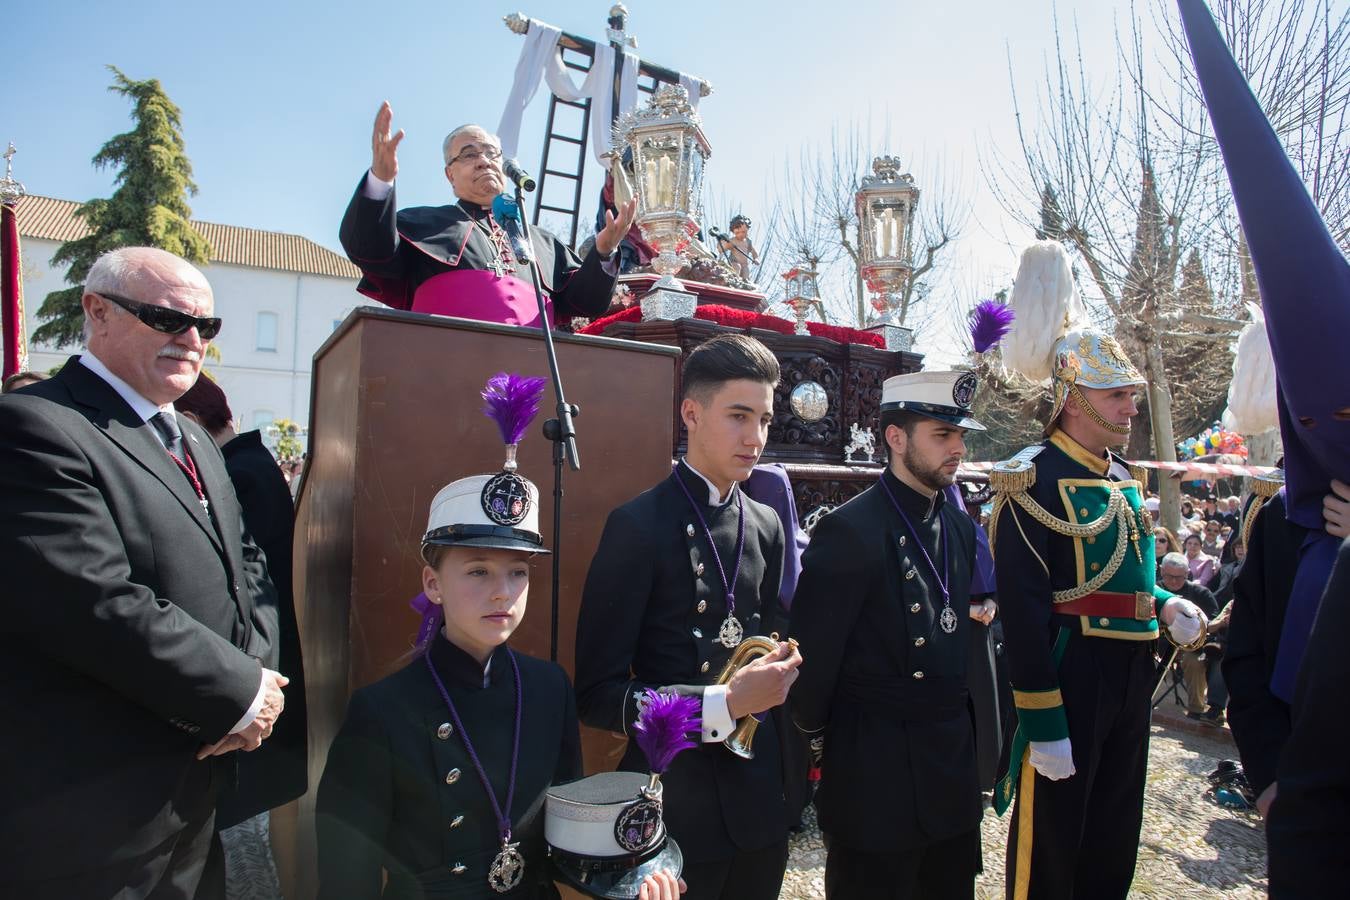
(251, 738)
(984, 612)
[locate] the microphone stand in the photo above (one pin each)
(561, 431)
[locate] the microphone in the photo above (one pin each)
(517, 175)
(507, 213)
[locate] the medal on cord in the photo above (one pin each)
(731, 633)
(508, 866)
(947, 620)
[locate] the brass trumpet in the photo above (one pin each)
(747, 651)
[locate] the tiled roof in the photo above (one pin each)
(50, 219)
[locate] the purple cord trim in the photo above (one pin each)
(503, 818)
(942, 539)
(728, 586)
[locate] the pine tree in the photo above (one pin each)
(149, 207)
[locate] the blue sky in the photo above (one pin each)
(278, 97)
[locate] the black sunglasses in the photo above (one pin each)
(166, 320)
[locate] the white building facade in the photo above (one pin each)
(280, 296)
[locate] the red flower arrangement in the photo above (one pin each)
(740, 318)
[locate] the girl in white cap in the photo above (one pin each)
(435, 784)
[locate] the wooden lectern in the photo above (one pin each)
(395, 414)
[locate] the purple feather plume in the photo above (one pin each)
(664, 725)
(990, 320)
(512, 401)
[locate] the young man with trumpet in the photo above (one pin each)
(882, 616)
(685, 576)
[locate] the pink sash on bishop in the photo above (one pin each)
(480, 294)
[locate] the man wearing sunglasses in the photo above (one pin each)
(139, 631)
(461, 259)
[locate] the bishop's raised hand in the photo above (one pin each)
(384, 146)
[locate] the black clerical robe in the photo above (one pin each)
(400, 251)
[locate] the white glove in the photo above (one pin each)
(1187, 620)
(1053, 759)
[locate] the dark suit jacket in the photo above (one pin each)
(648, 620)
(1259, 719)
(879, 676)
(133, 632)
(1310, 820)
(398, 249)
(384, 802)
(277, 772)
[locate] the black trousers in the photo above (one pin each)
(749, 875)
(188, 866)
(1076, 839)
(944, 870)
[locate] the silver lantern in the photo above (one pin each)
(668, 154)
(886, 201)
(801, 292)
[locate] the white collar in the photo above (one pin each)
(714, 496)
(139, 405)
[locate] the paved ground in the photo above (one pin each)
(1190, 846)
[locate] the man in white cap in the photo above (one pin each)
(881, 614)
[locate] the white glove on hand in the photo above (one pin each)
(1053, 759)
(1187, 620)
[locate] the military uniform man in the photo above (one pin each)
(882, 614)
(1075, 570)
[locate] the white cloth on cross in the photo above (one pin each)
(541, 57)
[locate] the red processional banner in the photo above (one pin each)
(11, 293)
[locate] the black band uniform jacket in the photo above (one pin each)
(650, 615)
(400, 792)
(881, 679)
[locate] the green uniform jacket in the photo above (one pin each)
(1035, 561)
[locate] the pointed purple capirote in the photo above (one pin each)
(664, 725)
(1305, 294)
(512, 401)
(1303, 276)
(990, 320)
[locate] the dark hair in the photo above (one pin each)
(21, 379)
(727, 357)
(433, 554)
(904, 419)
(1227, 555)
(1173, 545)
(207, 402)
